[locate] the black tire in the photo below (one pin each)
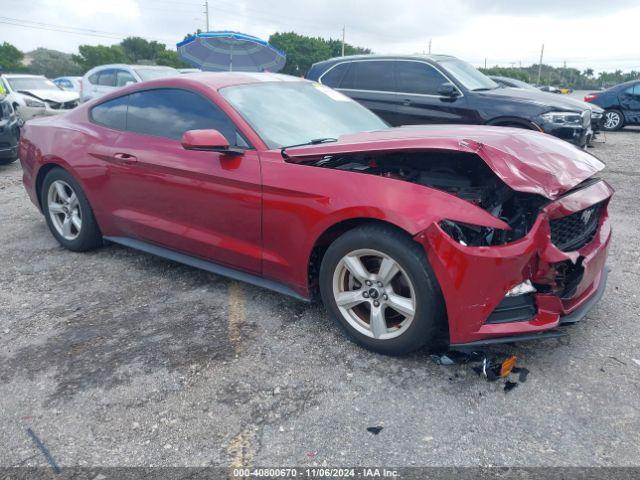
(613, 114)
(429, 323)
(89, 236)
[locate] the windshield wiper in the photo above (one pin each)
(315, 141)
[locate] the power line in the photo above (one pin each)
(73, 30)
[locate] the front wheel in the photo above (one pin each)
(376, 282)
(613, 120)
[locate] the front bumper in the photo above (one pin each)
(474, 280)
(579, 136)
(9, 136)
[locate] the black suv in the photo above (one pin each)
(9, 132)
(407, 90)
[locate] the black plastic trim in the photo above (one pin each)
(207, 266)
(514, 309)
(511, 339)
(580, 312)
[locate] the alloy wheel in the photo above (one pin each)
(64, 210)
(374, 294)
(611, 120)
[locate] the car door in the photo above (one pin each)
(630, 102)
(205, 204)
(105, 82)
(418, 84)
(369, 82)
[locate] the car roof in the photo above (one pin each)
(125, 65)
(218, 80)
(372, 56)
(21, 75)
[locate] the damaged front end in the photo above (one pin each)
(543, 267)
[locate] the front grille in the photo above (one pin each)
(576, 230)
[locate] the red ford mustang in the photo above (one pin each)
(410, 235)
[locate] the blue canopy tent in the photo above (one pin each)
(230, 51)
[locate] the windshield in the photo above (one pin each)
(468, 75)
(290, 113)
(31, 83)
(153, 73)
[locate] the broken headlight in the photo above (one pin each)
(473, 235)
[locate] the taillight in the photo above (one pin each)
(590, 97)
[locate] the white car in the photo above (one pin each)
(106, 78)
(35, 95)
(70, 84)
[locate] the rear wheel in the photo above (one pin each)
(613, 120)
(68, 213)
(376, 282)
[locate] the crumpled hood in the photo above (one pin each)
(525, 160)
(59, 96)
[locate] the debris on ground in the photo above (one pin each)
(374, 430)
(488, 367)
(508, 385)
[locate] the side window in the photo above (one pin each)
(334, 76)
(122, 77)
(107, 78)
(418, 77)
(112, 114)
(370, 75)
(169, 112)
(93, 79)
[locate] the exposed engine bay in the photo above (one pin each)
(461, 174)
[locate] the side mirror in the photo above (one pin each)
(208, 141)
(448, 90)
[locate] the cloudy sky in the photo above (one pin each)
(601, 34)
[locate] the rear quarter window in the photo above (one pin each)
(111, 114)
(333, 76)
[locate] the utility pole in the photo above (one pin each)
(343, 29)
(206, 14)
(540, 64)
(429, 46)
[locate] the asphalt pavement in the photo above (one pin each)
(118, 358)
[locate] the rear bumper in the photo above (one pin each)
(474, 280)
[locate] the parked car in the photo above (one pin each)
(621, 104)
(511, 82)
(407, 90)
(107, 78)
(549, 89)
(9, 132)
(189, 70)
(35, 95)
(70, 84)
(472, 234)
(597, 113)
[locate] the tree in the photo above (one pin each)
(137, 49)
(170, 59)
(91, 56)
(303, 51)
(10, 57)
(52, 63)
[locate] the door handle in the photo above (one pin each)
(125, 158)
(406, 102)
